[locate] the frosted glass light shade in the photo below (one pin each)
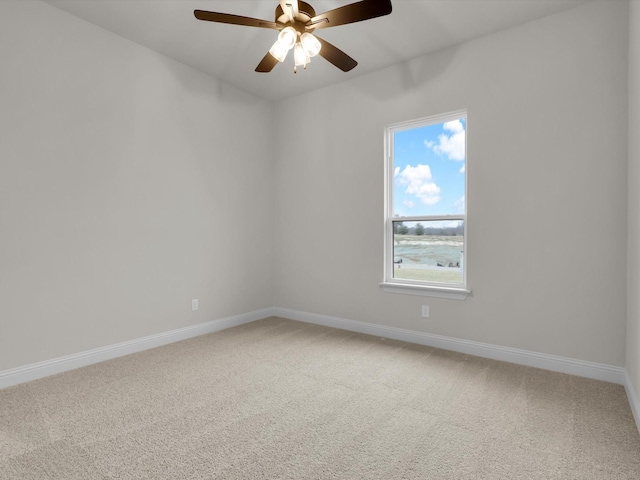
(287, 37)
(279, 51)
(310, 44)
(300, 56)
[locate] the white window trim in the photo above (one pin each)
(425, 290)
(408, 287)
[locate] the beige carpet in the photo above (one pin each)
(278, 399)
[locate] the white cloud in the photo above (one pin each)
(454, 126)
(396, 172)
(463, 168)
(409, 203)
(453, 146)
(419, 182)
(459, 204)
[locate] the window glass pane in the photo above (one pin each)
(429, 251)
(429, 169)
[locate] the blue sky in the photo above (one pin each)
(429, 169)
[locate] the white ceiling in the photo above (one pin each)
(231, 52)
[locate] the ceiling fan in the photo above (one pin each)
(296, 20)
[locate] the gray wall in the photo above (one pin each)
(547, 214)
(128, 186)
(633, 291)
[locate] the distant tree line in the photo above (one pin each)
(400, 228)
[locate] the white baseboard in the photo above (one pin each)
(554, 363)
(580, 368)
(70, 362)
(597, 371)
(633, 398)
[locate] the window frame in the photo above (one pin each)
(420, 287)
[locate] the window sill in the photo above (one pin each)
(426, 291)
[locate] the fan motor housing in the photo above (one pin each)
(305, 13)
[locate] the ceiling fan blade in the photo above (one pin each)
(290, 8)
(267, 63)
(336, 56)
(355, 12)
(234, 19)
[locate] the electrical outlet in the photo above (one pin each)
(194, 304)
(425, 311)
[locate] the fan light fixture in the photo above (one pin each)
(295, 20)
(287, 37)
(300, 56)
(279, 51)
(308, 46)
(285, 42)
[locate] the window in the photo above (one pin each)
(425, 211)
